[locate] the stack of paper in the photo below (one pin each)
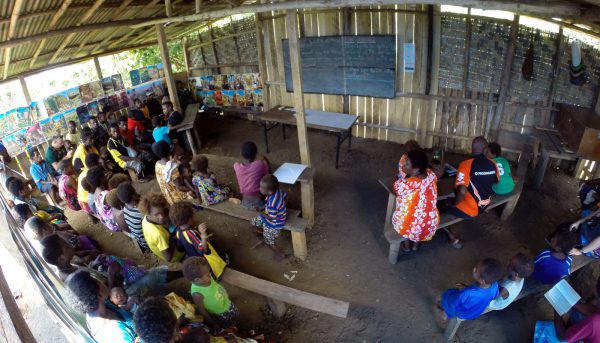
(289, 172)
(562, 297)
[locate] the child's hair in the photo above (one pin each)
(15, 187)
(196, 335)
(152, 200)
(195, 267)
(92, 160)
(523, 265)
(490, 270)
(156, 121)
(495, 148)
(72, 122)
(86, 185)
(86, 134)
(565, 240)
(126, 192)
(200, 164)
(33, 151)
(161, 149)
(8, 181)
(270, 181)
(418, 159)
(182, 167)
(83, 291)
(95, 178)
(410, 145)
(51, 248)
(154, 321)
(103, 151)
(64, 164)
(116, 180)
(35, 225)
(112, 200)
(122, 120)
(249, 150)
(23, 211)
(181, 213)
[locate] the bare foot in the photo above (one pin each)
(235, 201)
(440, 316)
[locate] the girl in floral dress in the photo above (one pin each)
(416, 217)
(210, 191)
(97, 181)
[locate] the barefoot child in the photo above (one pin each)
(519, 268)
(67, 184)
(249, 173)
(209, 190)
(184, 181)
(210, 298)
(269, 223)
(553, 264)
(470, 302)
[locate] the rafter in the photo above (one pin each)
(16, 11)
(63, 8)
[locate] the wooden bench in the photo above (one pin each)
(294, 224)
(530, 287)
(511, 199)
(278, 295)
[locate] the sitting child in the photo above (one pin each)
(184, 181)
(248, 174)
(21, 194)
(553, 264)
(107, 163)
(67, 184)
(506, 184)
(205, 183)
(98, 183)
(268, 224)
(119, 297)
(132, 215)
(589, 196)
(44, 175)
(210, 298)
(161, 130)
(193, 242)
(85, 247)
(23, 212)
(470, 302)
(117, 179)
(117, 208)
(519, 268)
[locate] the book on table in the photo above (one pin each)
(562, 297)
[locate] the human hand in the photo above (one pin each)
(202, 229)
(576, 252)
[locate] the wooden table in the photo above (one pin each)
(191, 112)
(338, 123)
(445, 191)
(551, 147)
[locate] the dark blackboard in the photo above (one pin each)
(352, 65)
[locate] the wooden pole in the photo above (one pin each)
(168, 8)
(98, 69)
(186, 56)
(262, 63)
(556, 69)
(435, 33)
(214, 47)
(10, 313)
(308, 210)
(467, 54)
(505, 79)
(164, 55)
(25, 89)
(346, 30)
(198, 6)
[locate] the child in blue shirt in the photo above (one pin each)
(553, 264)
(470, 302)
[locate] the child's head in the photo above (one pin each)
(85, 185)
(494, 149)
(269, 184)
(127, 194)
(196, 270)
(23, 211)
(35, 155)
(155, 207)
(17, 188)
(155, 321)
(410, 145)
(113, 201)
(563, 240)
(200, 164)
(56, 250)
(72, 126)
(101, 117)
(196, 335)
(118, 296)
(249, 151)
(416, 163)
(156, 122)
(116, 180)
(65, 167)
(92, 160)
(95, 178)
(181, 213)
(38, 228)
(521, 266)
(87, 138)
(487, 271)
(93, 122)
(184, 169)
(161, 149)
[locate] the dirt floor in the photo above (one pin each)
(347, 254)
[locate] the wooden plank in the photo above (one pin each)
(262, 62)
(287, 295)
(25, 89)
(557, 63)
(14, 326)
(164, 55)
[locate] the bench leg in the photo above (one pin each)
(307, 198)
(278, 308)
(391, 205)
(299, 244)
(541, 170)
(191, 141)
(394, 252)
(510, 207)
(452, 327)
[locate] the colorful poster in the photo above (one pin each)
(103, 105)
(23, 117)
(239, 98)
(208, 82)
(36, 113)
(218, 82)
(62, 101)
(82, 114)
(153, 73)
(144, 76)
(209, 98)
(257, 97)
(86, 93)
(35, 135)
(15, 143)
(3, 130)
(236, 82)
(74, 97)
(158, 89)
(51, 105)
(257, 81)
(59, 124)
(194, 84)
(123, 100)
(73, 115)
(107, 85)
(248, 81)
(93, 110)
(135, 77)
(113, 102)
(161, 70)
(248, 101)
(227, 98)
(117, 82)
(10, 118)
(96, 88)
(218, 98)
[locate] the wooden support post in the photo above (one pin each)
(14, 326)
(467, 55)
(164, 55)
(186, 56)
(597, 107)
(436, 34)
(346, 30)
(198, 6)
(505, 78)
(278, 308)
(214, 47)
(262, 63)
(556, 69)
(98, 69)
(168, 8)
(25, 89)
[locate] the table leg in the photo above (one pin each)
(391, 205)
(541, 170)
(283, 128)
(349, 139)
(266, 136)
(337, 150)
(192, 142)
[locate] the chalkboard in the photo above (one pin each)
(345, 65)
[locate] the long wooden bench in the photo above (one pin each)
(511, 199)
(296, 225)
(530, 287)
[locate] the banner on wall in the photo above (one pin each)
(409, 57)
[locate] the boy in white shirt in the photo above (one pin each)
(519, 268)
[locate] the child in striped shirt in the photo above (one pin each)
(269, 223)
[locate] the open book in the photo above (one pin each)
(562, 297)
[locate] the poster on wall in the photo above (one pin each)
(113, 102)
(409, 57)
(10, 118)
(135, 77)
(209, 98)
(117, 82)
(74, 97)
(36, 113)
(62, 101)
(227, 98)
(248, 81)
(103, 105)
(35, 136)
(72, 116)
(257, 97)
(248, 100)
(144, 76)
(96, 89)
(54, 125)
(93, 109)
(15, 143)
(107, 85)
(51, 105)
(208, 83)
(158, 89)
(161, 70)
(153, 73)
(123, 99)
(86, 93)
(82, 114)
(23, 117)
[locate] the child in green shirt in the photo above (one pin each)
(210, 298)
(506, 183)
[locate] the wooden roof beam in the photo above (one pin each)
(63, 8)
(16, 11)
